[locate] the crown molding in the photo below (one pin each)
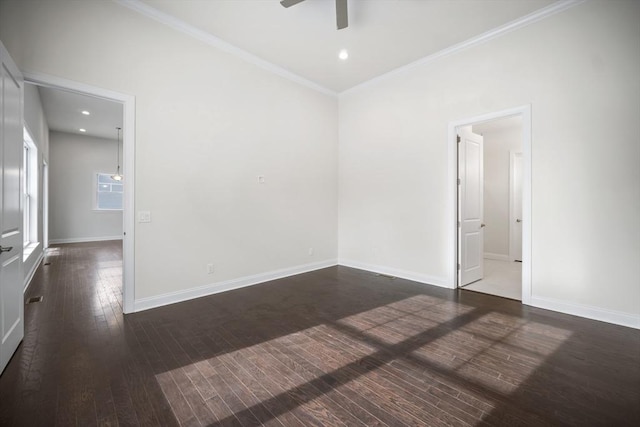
(190, 30)
(500, 31)
(180, 25)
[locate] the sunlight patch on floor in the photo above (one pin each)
(472, 356)
(485, 352)
(52, 251)
(389, 322)
(269, 359)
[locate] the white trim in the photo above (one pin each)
(32, 272)
(500, 31)
(41, 79)
(10, 234)
(106, 211)
(128, 217)
(203, 36)
(590, 312)
(45, 203)
(129, 148)
(214, 288)
(513, 154)
(83, 239)
(30, 203)
(17, 257)
(402, 274)
(28, 250)
(525, 112)
(497, 257)
(9, 332)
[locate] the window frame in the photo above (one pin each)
(29, 193)
(96, 183)
(26, 216)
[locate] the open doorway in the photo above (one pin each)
(491, 165)
(107, 145)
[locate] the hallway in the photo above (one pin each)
(73, 339)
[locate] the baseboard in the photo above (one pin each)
(83, 239)
(497, 257)
(32, 272)
(214, 288)
(403, 274)
(590, 312)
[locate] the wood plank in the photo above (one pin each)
(336, 346)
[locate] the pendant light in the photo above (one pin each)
(117, 176)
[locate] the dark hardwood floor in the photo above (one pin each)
(336, 347)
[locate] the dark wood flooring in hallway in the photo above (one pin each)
(335, 347)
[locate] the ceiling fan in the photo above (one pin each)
(342, 19)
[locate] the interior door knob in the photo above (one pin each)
(482, 225)
(5, 249)
(518, 220)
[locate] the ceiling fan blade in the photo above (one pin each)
(289, 3)
(342, 18)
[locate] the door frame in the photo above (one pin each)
(128, 160)
(525, 112)
(513, 155)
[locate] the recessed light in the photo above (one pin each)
(343, 54)
(82, 130)
(85, 112)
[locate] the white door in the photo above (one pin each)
(515, 215)
(470, 202)
(11, 148)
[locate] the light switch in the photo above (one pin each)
(144, 216)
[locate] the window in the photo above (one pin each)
(108, 193)
(25, 194)
(29, 191)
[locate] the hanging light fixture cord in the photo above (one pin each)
(117, 176)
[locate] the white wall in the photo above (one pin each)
(36, 124)
(218, 122)
(498, 142)
(74, 161)
(579, 71)
(212, 120)
(35, 120)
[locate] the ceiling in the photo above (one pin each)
(382, 34)
(63, 111)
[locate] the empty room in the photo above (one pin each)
(320, 212)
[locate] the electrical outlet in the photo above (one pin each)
(310, 251)
(261, 179)
(210, 269)
(144, 216)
